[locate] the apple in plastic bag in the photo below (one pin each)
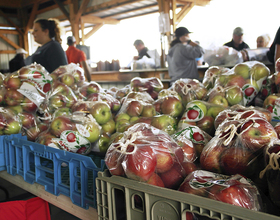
(60, 124)
(257, 133)
(134, 108)
(12, 97)
(242, 69)
(13, 126)
(12, 81)
(171, 105)
(101, 112)
(165, 123)
(140, 162)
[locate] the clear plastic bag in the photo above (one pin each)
(235, 190)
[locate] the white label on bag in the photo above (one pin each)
(31, 93)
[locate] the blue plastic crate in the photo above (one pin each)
(61, 172)
(3, 142)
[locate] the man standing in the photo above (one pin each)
(142, 50)
(18, 61)
(74, 55)
(237, 40)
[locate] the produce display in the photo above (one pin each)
(213, 138)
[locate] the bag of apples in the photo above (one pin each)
(147, 154)
(27, 88)
(211, 74)
(240, 113)
(201, 114)
(235, 190)
(189, 90)
(237, 148)
(249, 76)
(151, 85)
(272, 172)
(225, 96)
(134, 106)
(60, 96)
(71, 75)
(76, 133)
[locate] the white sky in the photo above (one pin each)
(212, 25)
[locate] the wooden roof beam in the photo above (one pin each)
(62, 9)
(197, 2)
(97, 20)
(81, 10)
(184, 11)
(31, 17)
(10, 21)
(93, 30)
(9, 41)
(109, 5)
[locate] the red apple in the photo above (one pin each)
(12, 81)
(172, 106)
(12, 97)
(140, 162)
(256, 133)
(235, 79)
(155, 180)
(173, 178)
(210, 156)
(134, 108)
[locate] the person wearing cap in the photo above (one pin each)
(18, 61)
(181, 57)
(77, 56)
(237, 40)
(142, 50)
(274, 50)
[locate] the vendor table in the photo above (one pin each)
(123, 76)
(61, 201)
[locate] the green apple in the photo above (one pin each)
(242, 69)
(214, 110)
(219, 100)
(259, 71)
(102, 144)
(93, 131)
(17, 109)
(133, 119)
(234, 95)
(148, 110)
(13, 127)
(101, 111)
(165, 123)
(122, 116)
(109, 127)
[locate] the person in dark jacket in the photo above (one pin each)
(18, 61)
(142, 50)
(274, 51)
(50, 54)
(237, 40)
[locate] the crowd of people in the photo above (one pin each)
(182, 57)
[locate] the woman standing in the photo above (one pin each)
(182, 56)
(50, 54)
